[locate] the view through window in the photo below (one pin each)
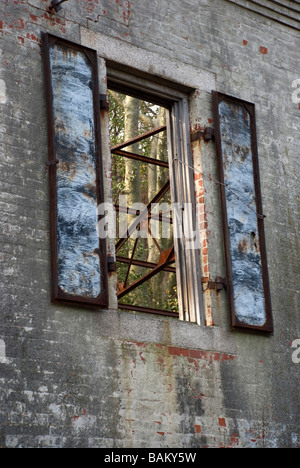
(142, 199)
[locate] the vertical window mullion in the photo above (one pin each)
(177, 200)
(182, 185)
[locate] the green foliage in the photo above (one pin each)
(160, 292)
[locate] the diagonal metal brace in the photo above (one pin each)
(166, 258)
(142, 215)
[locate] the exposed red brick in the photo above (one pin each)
(32, 37)
(159, 346)
(178, 351)
(234, 440)
(19, 23)
(222, 422)
(197, 429)
(195, 362)
(137, 343)
(197, 354)
(263, 50)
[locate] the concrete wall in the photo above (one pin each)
(75, 378)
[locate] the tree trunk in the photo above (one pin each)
(132, 169)
(132, 185)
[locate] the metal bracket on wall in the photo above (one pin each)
(52, 163)
(111, 264)
(218, 285)
(55, 6)
(208, 134)
(104, 104)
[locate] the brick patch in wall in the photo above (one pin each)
(188, 353)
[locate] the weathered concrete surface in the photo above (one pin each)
(75, 378)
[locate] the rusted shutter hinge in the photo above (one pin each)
(218, 285)
(111, 265)
(52, 163)
(208, 134)
(104, 104)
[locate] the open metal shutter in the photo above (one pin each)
(243, 219)
(79, 268)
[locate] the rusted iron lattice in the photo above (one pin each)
(167, 257)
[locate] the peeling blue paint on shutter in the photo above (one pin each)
(248, 285)
(79, 270)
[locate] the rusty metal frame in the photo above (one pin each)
(141, 216)
(167, 257)
(250, 108)
(139, 138)
(175, 98)
(57, 294)
(156, 217)
(143, 159)
(144, 264)
(147, 310)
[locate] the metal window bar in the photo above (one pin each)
(167, 258)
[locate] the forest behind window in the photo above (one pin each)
(145, 264)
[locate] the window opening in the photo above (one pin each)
(142, 198)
